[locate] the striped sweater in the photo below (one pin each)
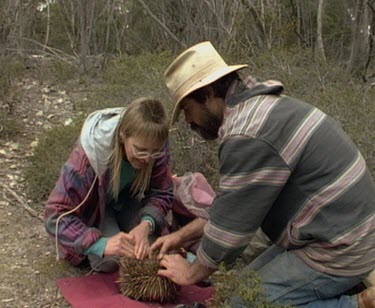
(289, 168)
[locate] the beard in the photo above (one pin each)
(209, 129)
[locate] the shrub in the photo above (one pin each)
(9, 127)
(10, 71)
(49, 155)
(247, 287)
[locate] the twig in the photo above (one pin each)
(220, 21)
(57, 53)
(161, 24)
(25, 206)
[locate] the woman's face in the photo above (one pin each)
(139, 151)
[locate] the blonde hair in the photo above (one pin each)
(145, 118)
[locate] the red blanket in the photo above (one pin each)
(101, 290)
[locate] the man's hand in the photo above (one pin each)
(120, 245)
(175, 240)
(177, 269)
(141, 245)
(166, 243)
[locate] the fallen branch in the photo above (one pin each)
(57, 53)
(23, 203)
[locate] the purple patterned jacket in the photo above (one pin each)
(84, 170)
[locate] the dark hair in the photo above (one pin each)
(219, 86)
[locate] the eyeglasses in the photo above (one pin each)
(145, 155)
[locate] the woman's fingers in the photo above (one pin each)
(127, 248)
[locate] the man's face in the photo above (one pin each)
(206, 118)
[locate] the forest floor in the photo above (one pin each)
(28, 267)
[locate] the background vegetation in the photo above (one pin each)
(117, 50)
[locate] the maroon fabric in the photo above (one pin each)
(101, 290)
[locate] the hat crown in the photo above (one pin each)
(191, 66)
(193, 69)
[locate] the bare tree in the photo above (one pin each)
(360, 38)
(319, 48)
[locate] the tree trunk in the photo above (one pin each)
(319, 48)
(82, 9)
(360, 39)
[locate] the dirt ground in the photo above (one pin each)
(28, 262)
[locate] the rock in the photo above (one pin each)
(34, 144)
(13, 145)
(68, 122)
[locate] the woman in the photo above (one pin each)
(115, 189)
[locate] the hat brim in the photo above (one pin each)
(202, 83)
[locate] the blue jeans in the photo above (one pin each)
(288, 280)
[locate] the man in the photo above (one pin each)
(286, 167)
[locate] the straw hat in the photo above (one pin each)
(195, 68)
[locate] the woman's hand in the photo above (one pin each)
(166, 243)
(141, 245)
(120, 245)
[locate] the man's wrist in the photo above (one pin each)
(197, 272)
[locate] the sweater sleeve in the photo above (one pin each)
(251, 176)
(73, 235)
(97, 248)
(158, 198)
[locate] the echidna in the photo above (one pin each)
(138, 280)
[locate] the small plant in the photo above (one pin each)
(247, 287)
(61, 71)
(9, 127)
